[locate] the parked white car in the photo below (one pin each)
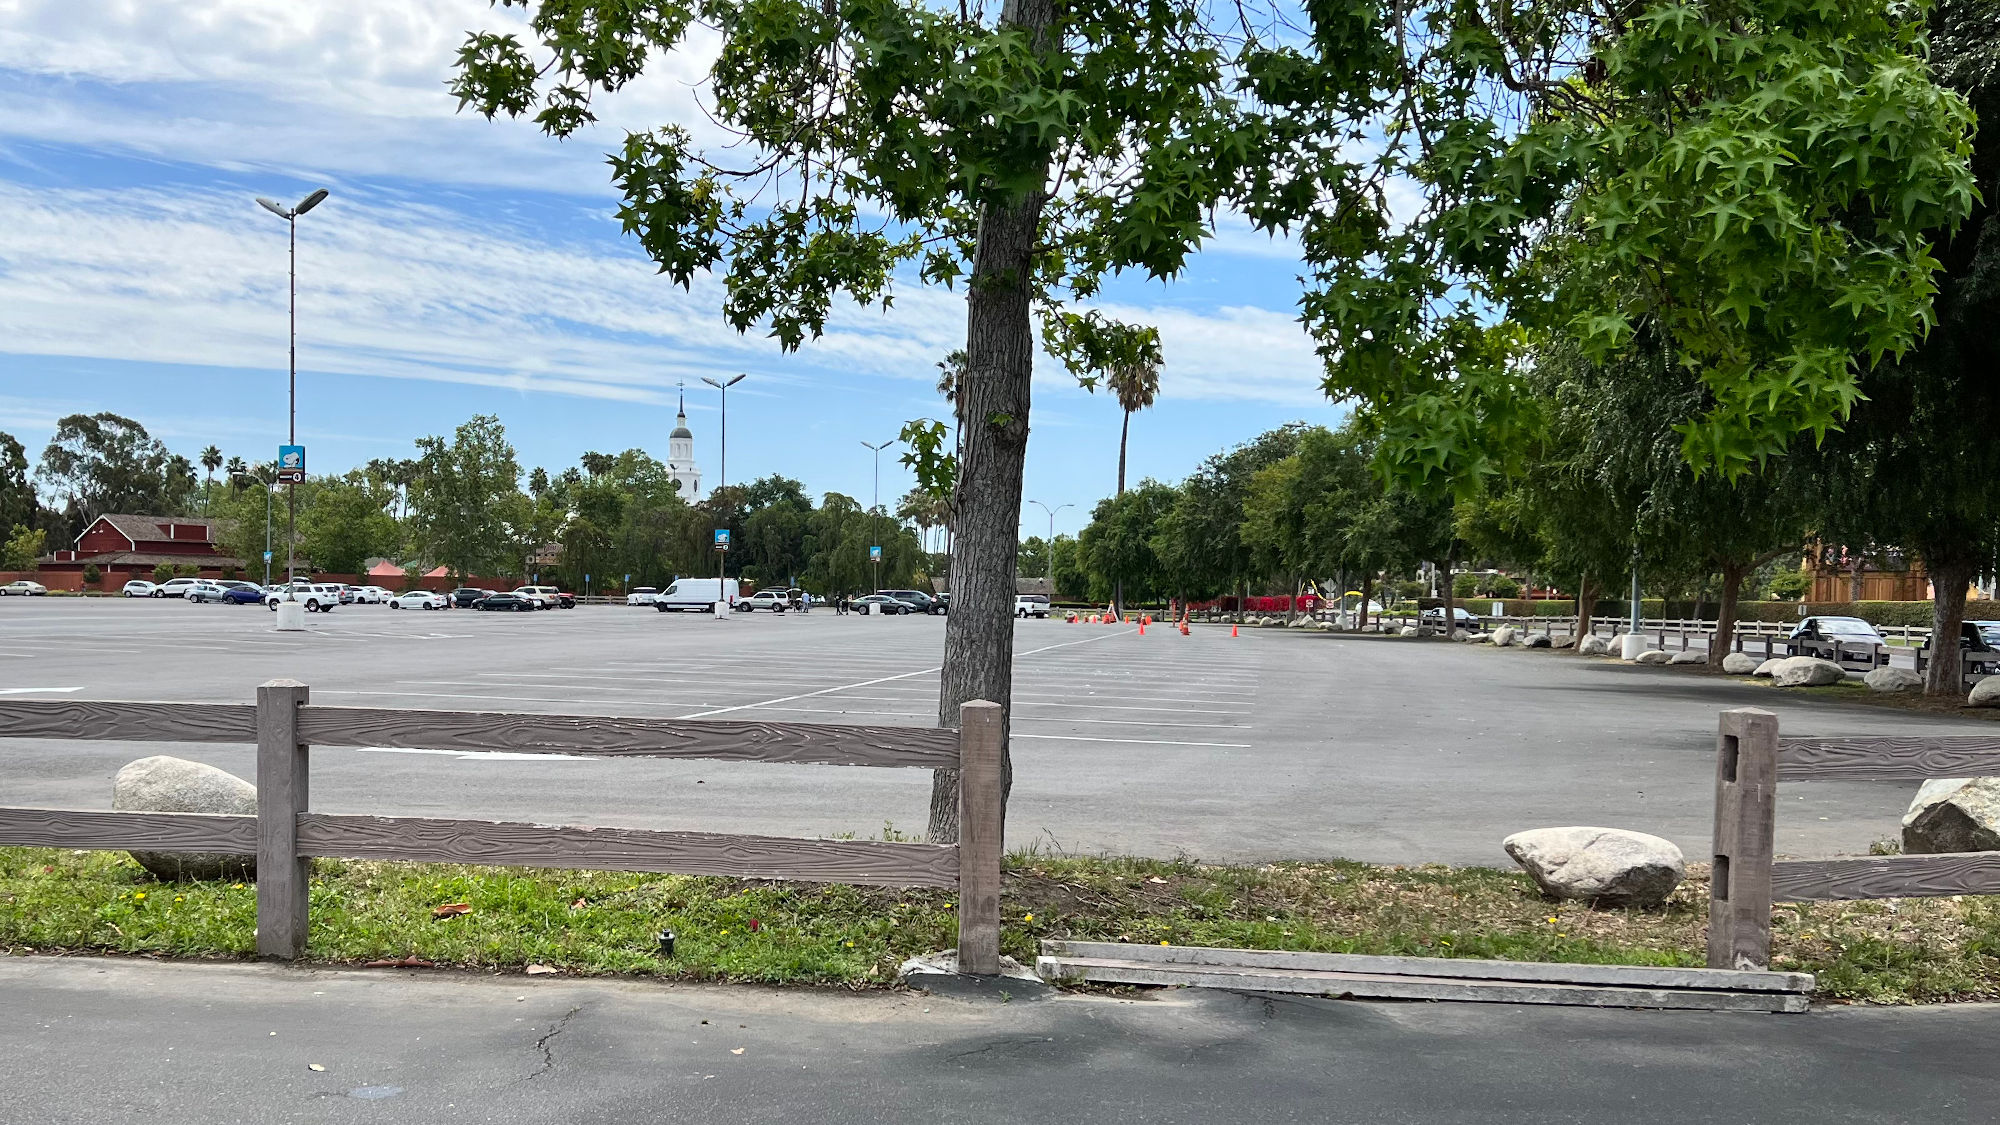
(318, 596)
(24, 588)
(777, 601)
(202, 590)
(642, 595)
(420, 599)
(371, 595)
(140, 588)
(544, 597)
(176, 587)
(1031, 605)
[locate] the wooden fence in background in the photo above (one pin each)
(1751, 759)
(285, 835)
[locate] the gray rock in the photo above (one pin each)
(1407, 631)
(166, 784)
(1892, 680)
(1503, 636)
(1689, 657)
(1460, 635)
(1985, 693)
(1806, 671)
(1535, 640)
(1954, 814)
(1768, 667)
(1651, 656)
(1601, 866)
(1562, 640)
(1739, 664)
(1593, 646)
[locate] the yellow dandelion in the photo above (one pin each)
(140, 894)
(850, 945)
(1027, 917)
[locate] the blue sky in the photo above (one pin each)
(463, 267)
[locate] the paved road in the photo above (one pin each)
(88, 1042)
(1270, 745)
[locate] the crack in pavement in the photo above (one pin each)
(1002, 1043)
(548, 1052)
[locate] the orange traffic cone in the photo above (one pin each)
(1142, 626)
(1232, 630)
(1184, 628)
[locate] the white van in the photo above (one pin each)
(697, 594)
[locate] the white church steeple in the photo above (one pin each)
(680, 454)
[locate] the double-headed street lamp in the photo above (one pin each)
(291, 217)
(1049, 565)
(722, 474)
(875, 512)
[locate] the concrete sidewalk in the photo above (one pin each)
(93, 1040)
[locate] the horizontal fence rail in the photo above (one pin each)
(1751, 759)
(285, 836)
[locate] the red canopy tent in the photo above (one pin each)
(385, 569)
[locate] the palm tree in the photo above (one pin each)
(1136, 386)
(235, 471)
(211, 460)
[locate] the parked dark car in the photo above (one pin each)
(917, 600)
(243, 593)
(943, 601)
(881, 603)
(506, 601)
(1978, 647)
(466, 595)
(1464, 618)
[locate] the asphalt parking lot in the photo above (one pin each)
(1270, 745)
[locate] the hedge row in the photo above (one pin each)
(1878, 613)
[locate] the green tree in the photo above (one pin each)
(1915, 467)
(345, 521)
(106, 463)
(1117, 545)
(24, 545)
(211, 460)
(457, 496)
(1199, 541)
(1752, 181)
(18, 502)
(1030, 154)
(1032, 558)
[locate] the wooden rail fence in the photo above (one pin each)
(1751, 759)
(285, 836)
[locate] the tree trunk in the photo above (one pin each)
(1944, 677)
(1367, 588)
(1725, 612)
(1854, 570)
(1124, 431)
(1586, 605)
(1450, 603)
(993, 425)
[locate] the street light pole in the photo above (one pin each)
(291, 217)
(875, 512)
(269, 488)
(1049, 564)
(722, 474)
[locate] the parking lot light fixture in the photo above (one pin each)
(722, 468)
(1049, 562)
(291, 217)
(875, 511)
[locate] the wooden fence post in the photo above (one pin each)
(1746, 798)
(283, 771)
(980, 838)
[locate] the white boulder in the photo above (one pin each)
(1503, 636)
(167, 784)
(1651, 656)
(1806, 671)
(1562, 640)
(1535, 640)
(1739, 664)
(1601, 866)
(1985, 693)
(1954, 814)
(1768, 667)
(1593, 646)
(1689, 656)
(1893, 680)
(1407, 631)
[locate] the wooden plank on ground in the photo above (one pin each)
(1886, 876)
(1469, 968)
(727, 739)
(504, 844)
(1384, 986)
(1887, 758)
(129, 831)
(128, 722)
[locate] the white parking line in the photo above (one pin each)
(1133, 741)
(886, 679)
(38, 690)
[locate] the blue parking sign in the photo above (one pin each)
(291, 463)
(874, 554)
(722, 539)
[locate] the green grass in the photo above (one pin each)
(733, 930)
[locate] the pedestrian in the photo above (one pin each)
(805, 601)
(840, 603)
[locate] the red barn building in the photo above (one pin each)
(127, 547)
